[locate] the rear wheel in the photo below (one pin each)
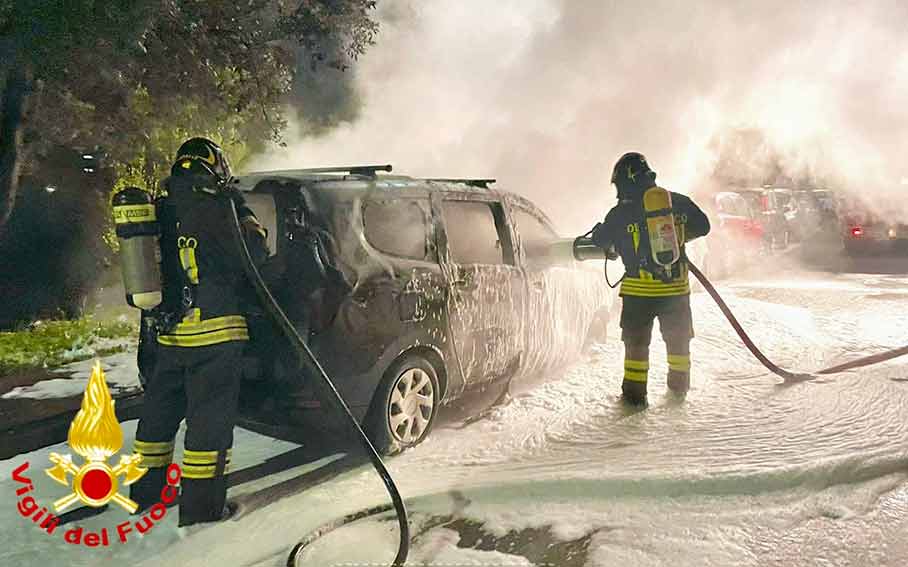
(404, 407)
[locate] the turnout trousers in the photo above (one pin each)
(202, 385)
(676, 324)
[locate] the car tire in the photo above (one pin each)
(404, 407)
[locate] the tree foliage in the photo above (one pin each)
(137, 76)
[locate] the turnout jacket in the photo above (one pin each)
(204, 282)
(624, 228)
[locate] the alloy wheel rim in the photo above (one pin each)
(411, 406)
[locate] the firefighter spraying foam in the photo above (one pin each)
(648, 229)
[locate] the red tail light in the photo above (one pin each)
(764, 202)
(857, 231)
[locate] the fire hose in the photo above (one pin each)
(583, 248)
(770, 365)
(310, 364)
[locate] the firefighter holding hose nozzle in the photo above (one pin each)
(200, 327)
(648, 228)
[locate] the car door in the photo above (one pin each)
(485, 303)
(777, 226)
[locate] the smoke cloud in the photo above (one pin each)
(545, 95)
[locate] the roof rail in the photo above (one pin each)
(367, 170)
(483, 183)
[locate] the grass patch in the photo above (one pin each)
(45, 344)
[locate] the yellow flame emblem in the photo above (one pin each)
(96, 435)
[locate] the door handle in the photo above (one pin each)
(538, 285)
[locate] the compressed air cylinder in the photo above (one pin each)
(660, 226)
(140, 255)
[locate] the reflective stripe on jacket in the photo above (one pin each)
(622, 229)
(200, 262)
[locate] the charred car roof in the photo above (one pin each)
(348, 183)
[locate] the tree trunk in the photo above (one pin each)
(16, 91)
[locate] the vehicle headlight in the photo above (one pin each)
(892, 233)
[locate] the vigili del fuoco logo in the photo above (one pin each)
(95, 435)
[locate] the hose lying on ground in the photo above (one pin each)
(790, 376)
(327, 391)
(866, 361)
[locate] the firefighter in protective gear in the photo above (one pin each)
(201, 334)
(649, 289)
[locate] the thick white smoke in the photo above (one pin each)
(546, 94)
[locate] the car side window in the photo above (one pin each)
(783, 199)
(399, 227)
(477, 233)
(741, 208)
(755, 205)
(535, 236)
(750, 209)
(725, 204)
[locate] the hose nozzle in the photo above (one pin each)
(585, 249)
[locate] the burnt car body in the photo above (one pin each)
(436, 292)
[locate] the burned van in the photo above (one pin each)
(411, 292)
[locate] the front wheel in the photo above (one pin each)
(404, 406)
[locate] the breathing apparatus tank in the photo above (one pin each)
(660, 226)
(137, 230)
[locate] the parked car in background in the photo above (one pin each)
(825, 199)
(794, 211)
(437, 292)
(827, 212)
(809, 217)
(769, 211)
(866, 231)
(736, 238)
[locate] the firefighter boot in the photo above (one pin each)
(678, 383)
(203, 500)
(636, 369)
(204, 484)
(678, 373)
(146, 492)
(633, 392)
